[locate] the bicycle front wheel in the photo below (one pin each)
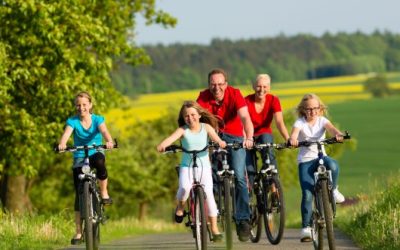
(200, 220)
(96, 224)
(328, 214)
(88, 215)
(256, 216)
(227, 213)
(274, 217)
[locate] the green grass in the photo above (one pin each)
(375, 222)
(374, 123)
(55, 231)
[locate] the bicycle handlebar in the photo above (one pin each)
(176, 148)
(230, 145)
(331, 140)
(270, 145)
(82, 148)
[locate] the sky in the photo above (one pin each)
(200, 21)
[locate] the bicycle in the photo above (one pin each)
(90, 202)
(324, 205)
(267, 200)
(225, 185)
(196, 210)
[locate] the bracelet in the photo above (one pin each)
(248, 139)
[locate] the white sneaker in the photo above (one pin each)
(339, 198)
(305, 234)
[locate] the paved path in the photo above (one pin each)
(181, 241)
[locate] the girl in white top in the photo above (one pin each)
(195, 126)
(311, 126)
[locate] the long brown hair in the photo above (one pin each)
(206, 116)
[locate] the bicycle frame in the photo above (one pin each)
(225, 183)
(90, 204)
(324, 205)
(269, 196)
(197, 211)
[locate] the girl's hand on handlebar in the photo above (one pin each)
(339, 137)
(293, 142)
(222, 144)
(161, 148)
(109, 144)
(62, 147)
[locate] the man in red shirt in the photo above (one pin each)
(263, 108)
(228, 104)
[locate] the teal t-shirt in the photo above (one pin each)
(195, 141)
(84, 136)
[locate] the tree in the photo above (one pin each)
(49, 51)
(378, 86)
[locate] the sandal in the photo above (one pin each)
(179, 218)
(76, 241)
(107, 201)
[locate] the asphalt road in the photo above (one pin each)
(180, 241)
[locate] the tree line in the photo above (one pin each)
(285, 58)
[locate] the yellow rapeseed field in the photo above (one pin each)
(331, 90)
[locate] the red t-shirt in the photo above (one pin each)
(262, 121)
(227, 110)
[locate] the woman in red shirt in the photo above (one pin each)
(263, 108)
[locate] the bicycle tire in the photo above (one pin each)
(256, 217)
(96, 224)
(317, 233)
(228, 213)
(88, 215)
(274, 217)
(200, 220)
(328, 214)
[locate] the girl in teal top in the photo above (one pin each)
(195, 126)
(87, 128)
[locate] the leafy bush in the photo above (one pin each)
(375, 223)
(378, 86)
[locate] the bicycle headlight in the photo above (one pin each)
(321, 169)
(86, 169)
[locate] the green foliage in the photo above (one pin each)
(49, 51)
(378, 86)
(375, 223)
(303, 56)
(138, 173)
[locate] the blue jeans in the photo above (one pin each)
(251, 169)
(306, 176)
(237, 160)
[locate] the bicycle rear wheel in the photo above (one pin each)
(200, 220)
(274, 217)
(227, 213)
(328, 214)
(88, 215)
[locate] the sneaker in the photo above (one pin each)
(339, 198)
(243, 230)
(305, 235)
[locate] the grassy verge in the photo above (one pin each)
(375, 222)
(55, 231)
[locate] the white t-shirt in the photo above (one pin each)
(310, 133)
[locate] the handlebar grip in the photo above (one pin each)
(346, 135)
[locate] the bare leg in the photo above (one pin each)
(214, 226)
(78, 225)
(180, 208)
(103, 188)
